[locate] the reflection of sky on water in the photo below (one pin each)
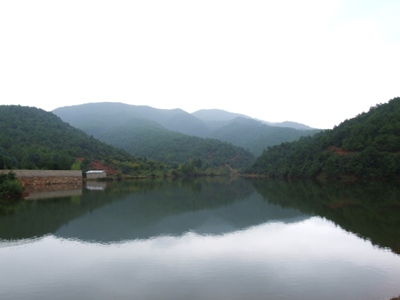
(312, 259)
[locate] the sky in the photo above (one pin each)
(311, 61)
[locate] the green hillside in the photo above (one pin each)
(133, 129)
(32, 138)
(177, 148)
(367, 146)
(255, 135)
(154, 132)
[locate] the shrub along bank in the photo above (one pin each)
(10, 187)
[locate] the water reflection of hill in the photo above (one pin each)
(139, 217)
(137, 209)
(370, 210)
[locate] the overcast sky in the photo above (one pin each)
(311, 61)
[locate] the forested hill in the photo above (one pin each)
(107, 120)
(255, 135)
(176, 148)
(124, 127)
(367, 146)
(32, 138)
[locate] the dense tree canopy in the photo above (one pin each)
(177, 148)
(367, 146)
(32, 138)
(9, 186)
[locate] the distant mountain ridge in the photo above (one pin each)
(290, 124)
(155, 134)
(219, 116)
(253, 134)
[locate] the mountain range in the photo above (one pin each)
(142, 129)
(157, 140)
(32, 138)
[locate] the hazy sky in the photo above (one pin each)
(310, 61)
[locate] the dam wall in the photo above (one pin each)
(33, 180)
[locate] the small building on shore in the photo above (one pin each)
(95, 174)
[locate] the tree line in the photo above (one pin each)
(367, 146)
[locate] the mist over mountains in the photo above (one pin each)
(147, 131)
(213, 141)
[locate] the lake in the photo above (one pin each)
(204, 238)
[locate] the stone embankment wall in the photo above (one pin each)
(33, 180)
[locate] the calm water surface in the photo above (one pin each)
(209, 238)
